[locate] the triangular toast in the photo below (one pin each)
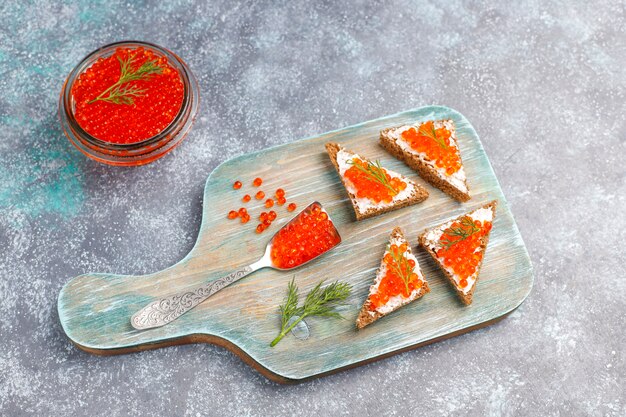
(364, 207)
(458, 238)
(429, 147)
(375, 306)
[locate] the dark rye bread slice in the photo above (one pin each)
(465, 298)
(419, 193)
(426, 171)
(368, 316)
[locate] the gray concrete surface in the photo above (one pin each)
(544, 84)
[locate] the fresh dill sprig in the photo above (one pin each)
(375, 172)
(120, 94)
(123, 95)
(432, 133)
(402, 267)
(318, 302)
(462, 232)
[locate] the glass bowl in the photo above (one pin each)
(137, 153)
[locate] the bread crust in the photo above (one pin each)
(425, 171)
(465, 298)
(367, 316)
(419, 194)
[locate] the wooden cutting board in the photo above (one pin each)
(95, 309)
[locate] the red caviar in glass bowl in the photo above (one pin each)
(118, 111)
(128, 103)
(307, 236)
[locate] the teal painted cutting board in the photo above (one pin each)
(95, 309)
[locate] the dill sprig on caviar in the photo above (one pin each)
(462, 232)
(118, 93)
(402, 267)
(318, 302)
(375, 172)
(432, 133)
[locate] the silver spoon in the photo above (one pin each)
(165, 310)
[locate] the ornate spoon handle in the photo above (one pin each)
(165, 310)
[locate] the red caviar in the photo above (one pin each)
(237, 185)
(399, 279)
(360, 175)
(310, 234)
(269, 203)
(435, 143)
(233, 214)
(281, 200)
(266, 221)
(458, 246)
(257, 182)
(291, 207)
(280, 192)
(259, 195)
(242, 211)
(152, 105)
(245, 218)
(246, 198)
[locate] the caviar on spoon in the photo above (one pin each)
(308, 235)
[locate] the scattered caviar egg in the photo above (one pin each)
(260, 228)
(242, 211)
(436, 144)
(263, 216)
(245, 218)
(399, 279)
(269, 203)
(233, 214)
(237, 185)
(271, 215)
(291, 206)
(267, 222)
(259, 195)
(280, 192)
(373, 182)
(257, 182)
(125, 111)
(307, 236)
(246, 198)
(281, 200)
